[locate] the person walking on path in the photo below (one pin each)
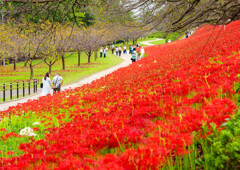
(142, 52)
(134, 47)
(112, 48)
(186, 34)
(57, 82)
(130, 49)
(136, 55)
(46, 89)
(119, 51)
(101, 51)
(116, 51)
(124, 49)
(105, 52)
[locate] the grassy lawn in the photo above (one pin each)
(145, 39)
(142, 45)
(71, 73)
(158, 42)
(138, 42)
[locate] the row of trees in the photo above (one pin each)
(164, 15)
(51, 43)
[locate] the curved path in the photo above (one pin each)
(89, 79)
(148, 42)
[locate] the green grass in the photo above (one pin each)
(158, 42)
(173, 36)
(14, 123)
(154, 41)
(147, 39)
(142, 45)
(138, 42)
(157, 34)
(72, 72)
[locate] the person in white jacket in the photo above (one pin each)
(46, 85)
(101, 52)
(142, 52)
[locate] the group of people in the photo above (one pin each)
(103, 52)
(135, 54)
(119, 50)
(47, 85)
(133, 48)
(58, 80)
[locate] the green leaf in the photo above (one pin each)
(224, 124)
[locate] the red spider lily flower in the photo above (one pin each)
(139, 116)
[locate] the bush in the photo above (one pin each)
(225, 146)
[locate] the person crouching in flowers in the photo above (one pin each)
(46, 89)
(133, 56)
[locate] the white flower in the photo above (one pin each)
(27, 131)
(36, 123)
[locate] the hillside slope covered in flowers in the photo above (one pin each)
(138, 116)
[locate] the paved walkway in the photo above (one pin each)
(14, 91)
(126, 62)
(148, 42)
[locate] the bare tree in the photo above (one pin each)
(89, 40)
(165, 15)
(32, 42)
(173, 15)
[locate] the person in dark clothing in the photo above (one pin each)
(133, 57)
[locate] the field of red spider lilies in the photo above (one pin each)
(135, 118)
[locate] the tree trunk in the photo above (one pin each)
(89, 57)
(63, 62)
(49, 68)
(79, 57)
(25, 64)
(31, 68)
(96, 52)
(14, 64)
(127, 42)
(133, 42)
